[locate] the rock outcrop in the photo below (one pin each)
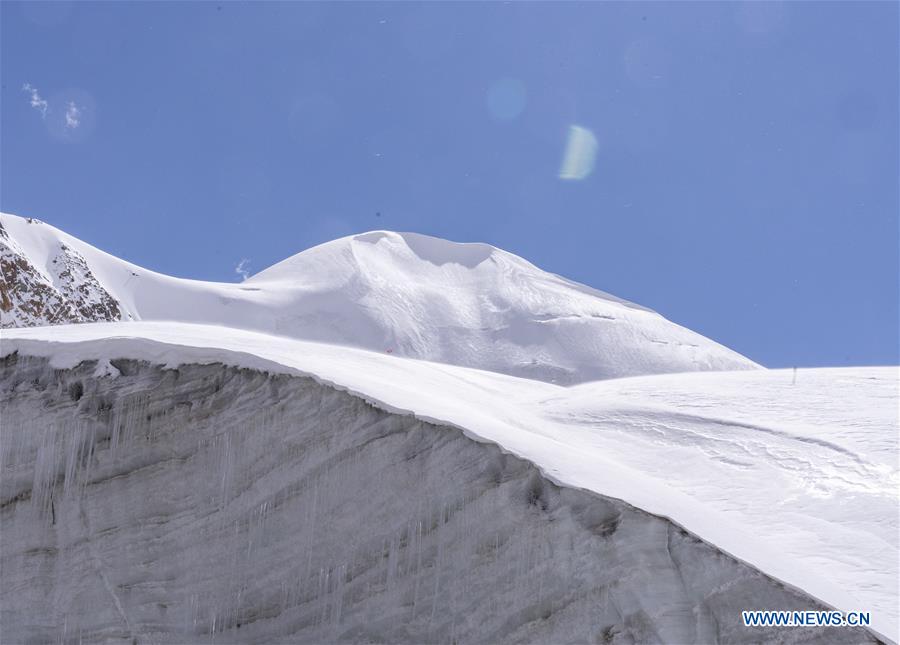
(66, 291)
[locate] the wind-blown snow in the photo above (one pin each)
(797, 479)
(416, 296)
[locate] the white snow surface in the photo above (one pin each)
(799, 479)
(412, 295)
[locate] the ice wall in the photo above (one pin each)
(209, 504)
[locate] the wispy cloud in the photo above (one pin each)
(73, 115)
(37, 102)
(241, 269)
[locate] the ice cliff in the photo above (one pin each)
(208, 503)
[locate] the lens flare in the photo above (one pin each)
(581, 150)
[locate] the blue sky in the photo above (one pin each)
(745, 182)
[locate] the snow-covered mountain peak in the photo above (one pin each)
(380, 256)
(401, 293)
(434, 250)
(385, 253)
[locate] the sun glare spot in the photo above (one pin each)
(506, 99)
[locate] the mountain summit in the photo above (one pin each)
(401, 293)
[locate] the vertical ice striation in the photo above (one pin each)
(208, 504)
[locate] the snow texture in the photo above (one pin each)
(797, 479)
(399, 293)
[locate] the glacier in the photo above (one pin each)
(207, 503)
(188, 482)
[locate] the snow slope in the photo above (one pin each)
(800, 480)
(408, 295)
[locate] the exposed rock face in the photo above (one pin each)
(68, 292)
(214, 504)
